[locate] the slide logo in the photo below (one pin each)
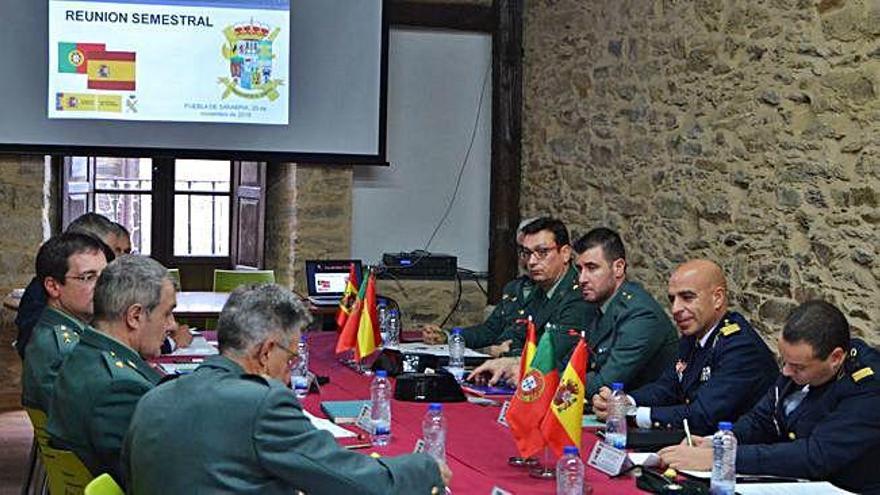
(248, 48)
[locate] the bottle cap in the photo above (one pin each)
(381, 374)
(725, 426)
(569, 450)
(456, 330)
(434, 406)
(617, 386)
(302, 337)
(392, 312)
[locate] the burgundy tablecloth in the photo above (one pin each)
(477, 446)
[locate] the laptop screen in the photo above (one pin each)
(327, 278)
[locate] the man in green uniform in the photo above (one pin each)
(548, 293)
(244, 431)
(632, 341)
(68, 266)
(103, 378)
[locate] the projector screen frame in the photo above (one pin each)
(380, 158)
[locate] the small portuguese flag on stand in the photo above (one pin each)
(532, 399)
(72, 56)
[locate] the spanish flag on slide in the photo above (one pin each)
(111, 70)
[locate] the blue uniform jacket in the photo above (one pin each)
(30, 308)
(718, 382)
(833, 435)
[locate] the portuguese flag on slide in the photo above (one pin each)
(72, 56)
(562, 425)
(532, 398)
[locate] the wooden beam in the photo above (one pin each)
(504, 189)
(441, 15)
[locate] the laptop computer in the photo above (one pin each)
(327, 279)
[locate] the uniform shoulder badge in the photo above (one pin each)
(114, 364)
(730, 329)
(863, 373)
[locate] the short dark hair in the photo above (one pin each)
(93, 223)
(54, 253)
(612, 244)
(819, 324)
(553, 225)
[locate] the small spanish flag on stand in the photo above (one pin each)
(361, 331)
(562, 425)
(111, 70)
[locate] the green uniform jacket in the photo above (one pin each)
(54, 336)
(633, 341)
(96, 392)
(221, 430)
(566, 309)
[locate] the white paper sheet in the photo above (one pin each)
(198, 347)
(648, 459)
(810, 488)
(433, 350)
(327, 425)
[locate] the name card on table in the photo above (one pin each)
(420, 446)
(502, 416)
(611, 461)
(364, 419)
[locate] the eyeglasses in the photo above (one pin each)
(541, 252)
(86, 278)
(292, 356)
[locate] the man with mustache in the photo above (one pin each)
(723, 365)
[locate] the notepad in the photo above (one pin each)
(343, 411)
(323, 424)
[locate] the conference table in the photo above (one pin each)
(477, 446)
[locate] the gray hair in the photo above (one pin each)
(255, 312)
(129, 280)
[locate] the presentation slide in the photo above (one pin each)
(223, 61)
(329, 283)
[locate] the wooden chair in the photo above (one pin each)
(228, 280)
(36, 479)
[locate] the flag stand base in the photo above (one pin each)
(522, 461)
(543, 472)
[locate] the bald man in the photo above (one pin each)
(723, 365)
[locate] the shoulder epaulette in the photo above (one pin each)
(730, 329)
(861, 374)
(65, 337)
(114, 363)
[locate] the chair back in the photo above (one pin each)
(67, 474)
(104, 485)
(228, 280)
(38, 421)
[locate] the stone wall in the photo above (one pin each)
(744, 131)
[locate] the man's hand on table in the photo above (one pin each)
(681, 456)
(504, 369)
(432, 334)
(181, 336)
(600, 403)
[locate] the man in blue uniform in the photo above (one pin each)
(250, 434)
(68, 266)
(820, 420)
(723, 365)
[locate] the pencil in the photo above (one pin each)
(687, 432)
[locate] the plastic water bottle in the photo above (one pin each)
(299, 373)
(380, 409)
(393, 328)
(456, 354)
(382, 314)
(434, 432)
(615, 423)
(570, 472)
(723, 461)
